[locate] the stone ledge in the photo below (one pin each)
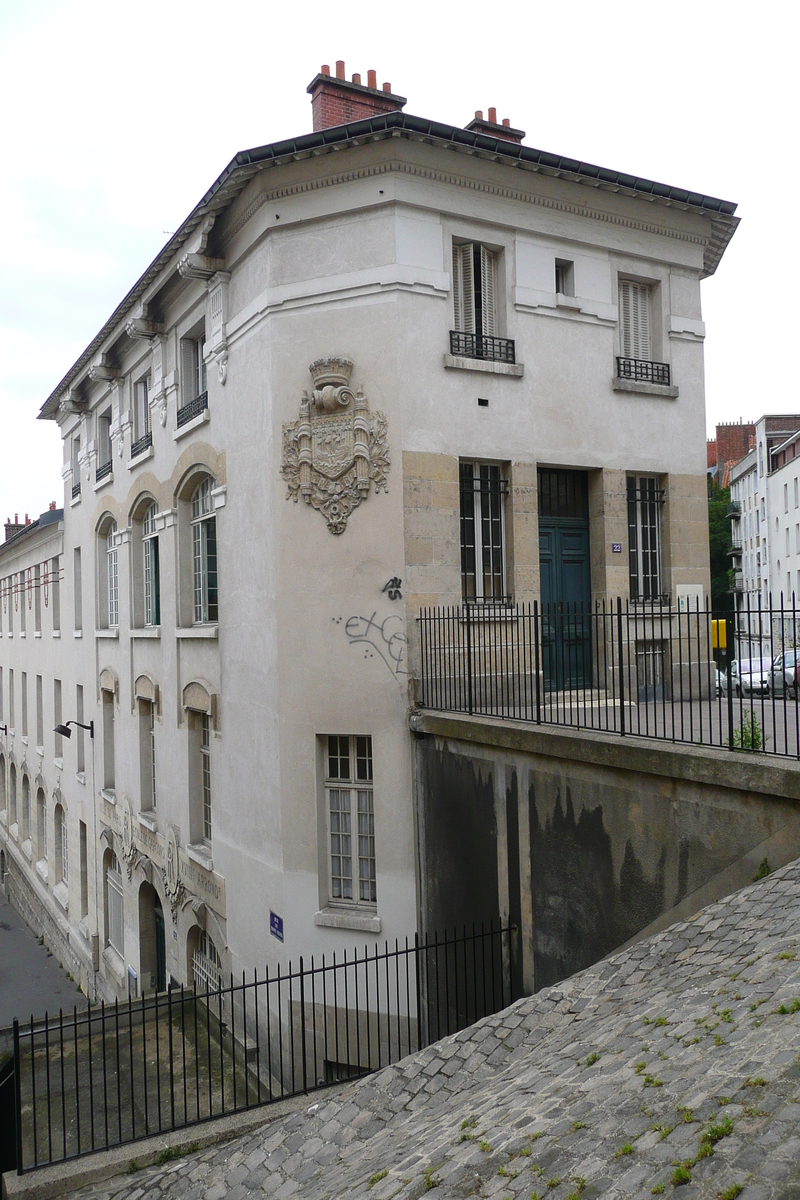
(487, 366)
(342, 918)
(699, 764)
(640, 388)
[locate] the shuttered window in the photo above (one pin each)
(474, 288)
(193, 368)
(634, 320)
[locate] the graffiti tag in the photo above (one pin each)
(385, 637)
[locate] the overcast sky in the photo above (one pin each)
(117, 118)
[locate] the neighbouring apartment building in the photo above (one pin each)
(765, 511)
(388, 364)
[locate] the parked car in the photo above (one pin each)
(783, 675)
(751, 677)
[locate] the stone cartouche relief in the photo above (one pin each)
(338, 448)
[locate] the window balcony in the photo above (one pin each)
(192, 409)
(476, 345)
(144, 443)
(737, 581)
(103, 470)
(76, 490)
(735, 550)
(734, 509)
(640, 371)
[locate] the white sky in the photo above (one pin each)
(117, 118)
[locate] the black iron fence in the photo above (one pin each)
(649, 669)
(192, 409)
(643, 370)
(114, 1074)
(477, 345)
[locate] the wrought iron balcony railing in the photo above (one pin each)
(103, 470)
(477, 345)
(192, 409)
(76, 490)
(642, 371)
(734, 509)
(143, 443)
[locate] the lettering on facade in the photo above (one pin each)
(383, 636)
(392, 588)
(338, 448)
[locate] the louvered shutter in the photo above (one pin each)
(634, 314)
(188, 370)
(463, 289)
(487, 292)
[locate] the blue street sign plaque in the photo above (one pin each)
(276, 925)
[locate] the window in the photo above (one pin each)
(79, 742)
(349, 792)
(482, 494)
(104, 444)
(112, 577)
(22, 601)
(84, 869)
(76, 467)
(11, 698)
(24, 704)
(141, 416)
(152, 581)
(115, 935)
(147, 754)
(205, 773)
(474, 305)
(77, 593)
(645, 498)
(37, 598)
(55, 592)
(57, 716)
(25, 830)
(786, 497)
(786, 531)
(41, 826)
(194, 391)
(62, 845)
(204, 554)
(634, 320)
(3, 800)
(108, 740)
(206, 963)
(39, 711)
(565, 277)
(12, 794)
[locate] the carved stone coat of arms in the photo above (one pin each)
(338, 448)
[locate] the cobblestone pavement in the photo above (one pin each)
(676, 1059)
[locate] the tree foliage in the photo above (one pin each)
(719, 543)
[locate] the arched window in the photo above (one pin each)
(3, 801)
(12, 795)
(62, 846)
(115, 935)
(112, 576)
(204, 553)
(25, 831)
(41, 826)
(152, 581)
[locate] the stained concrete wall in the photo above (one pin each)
(588, 842)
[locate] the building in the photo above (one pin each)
(732, 441)
(388, 364)
(765, 511)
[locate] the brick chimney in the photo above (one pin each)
(16, 526)
(494, 128)
(335, 101)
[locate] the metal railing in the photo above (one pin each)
(733, 509)
(103, 470)
(643, 371)
(192, 409)
(116, 1073)
(477, 345)
(76, 490)
(143, 443)
(645, 669)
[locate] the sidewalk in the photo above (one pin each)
(31, 980)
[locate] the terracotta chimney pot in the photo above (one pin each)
(493, 115)
(372, 80)
(340, 68)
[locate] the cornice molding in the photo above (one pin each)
(476, 185)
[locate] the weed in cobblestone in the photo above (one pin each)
(786, 1009)
(712, 1027)
(431, 1181)
(537, 1170)
(785, 954)
(652, 1081)
(376, 1178)
(554, 1182)
(504, 1171)
(657, 1190)
(764, 869)
(686, 1113)
(134, 1166)
(726, 1016)
(576, 1125)
(537, 1133)
(681, 1174)
(640, 1066)
(647, 1020)
(718, 1130)
(751, 1111)
(692, 1041)
(732, 1192)
(580, 1183)
(756, 1081)
(485, 1147)
(645, 1049)
(623, 1150)
(592, 1059)
(718, 1041)
(469, 1122)
(535, 1196)
(660, 1020)
(663, 1056)
(664, 1130)
(723, 1100)
(467, 1137)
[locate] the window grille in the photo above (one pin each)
(474, 305)
(116, 927)
(645, 498)
(352, 877)
(204, 554)
(482, 492)
(634, 320)
(113, 576)
(152, 582)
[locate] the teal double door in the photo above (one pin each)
(566, 629)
